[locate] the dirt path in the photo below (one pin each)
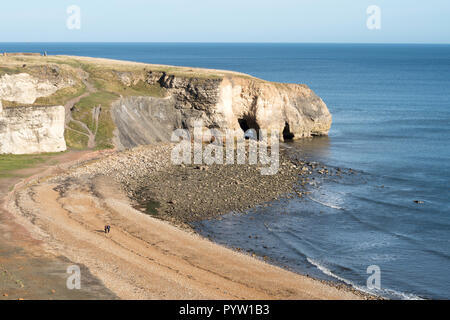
(96, 112)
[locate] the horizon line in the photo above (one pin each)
(228, 42)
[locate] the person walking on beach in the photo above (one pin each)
(109, 228)
(106, 229)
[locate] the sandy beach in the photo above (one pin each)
(144, 257)
(28, 269)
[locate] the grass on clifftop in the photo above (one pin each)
(130, 66)
(6, 70)
(61, 96)
(107, 79)
(50, 72)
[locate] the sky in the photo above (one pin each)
(400, 21)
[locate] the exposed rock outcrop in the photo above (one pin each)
(231, 102)
(26, 130)
(24, 88)
(144, 120)
(272, 106)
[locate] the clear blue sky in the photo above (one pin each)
(417, 21)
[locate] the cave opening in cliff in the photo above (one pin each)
(246, 123)
(287, 134)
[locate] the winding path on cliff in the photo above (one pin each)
(95, 114)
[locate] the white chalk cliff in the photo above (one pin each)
(25, 130)
(30, 129)
(232, 102)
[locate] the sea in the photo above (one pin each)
(390, 219)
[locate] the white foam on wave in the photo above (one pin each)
(326, 204)
(386, 293)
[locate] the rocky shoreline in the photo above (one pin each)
(182, 194)
(188, 193)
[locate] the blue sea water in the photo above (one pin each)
(391, 125)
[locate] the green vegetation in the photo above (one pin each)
(83, 110)
(107, 79)
(75, 140)
(61, 96)
(105, 131)
(151, 207)
(11, 163)
(62, 60)
(134, 67)
(51, 72)
(109, 88)
(6, 70)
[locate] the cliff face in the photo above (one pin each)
(231, 102)
(144, 120)
(26, 130)
(124, 104)
(31, 129)
(290, 108)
